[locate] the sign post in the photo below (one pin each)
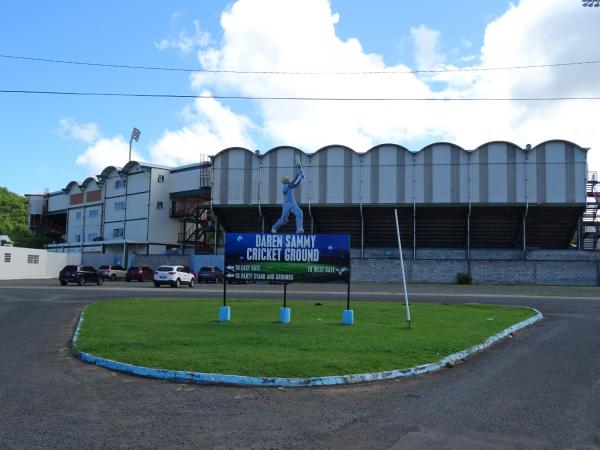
(285, 313)
(287, 258)
(224, 311)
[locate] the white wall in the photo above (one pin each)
(36, 203)
(112, 214)
(137, 182)
(163, 229)
(48, 264)
(184, 180)
(136, 230)
(108, 231)
(75, 225)
(92, 224)
(57, 201)
(110, 185)
(137, 206)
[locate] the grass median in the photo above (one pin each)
(183, 334)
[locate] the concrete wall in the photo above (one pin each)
(27, 263)
(98, 259)
(566, 268)
(158, 260)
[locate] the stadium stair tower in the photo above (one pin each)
(591, 232)
(196, 224)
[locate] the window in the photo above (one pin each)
(33, 259)
(77, 238)
(92, 236)
(161, 178)
(93, 213)
(119, 206)
(7, 257)
(117, 232)
(159, 205)
(78, 215)
(120, 184)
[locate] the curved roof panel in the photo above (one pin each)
(107, 171)
(70, 186)
(328, 147)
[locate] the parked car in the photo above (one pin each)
(80, 275)
(139, 273)
(210, 273)
(112, 273)
(175, 276)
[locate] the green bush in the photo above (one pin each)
(464, 278)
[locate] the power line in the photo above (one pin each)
(323, 99)
(276, 72)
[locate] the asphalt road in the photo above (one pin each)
(539, 389)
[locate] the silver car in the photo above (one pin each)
(112, 273)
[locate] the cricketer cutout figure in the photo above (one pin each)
(289, 203)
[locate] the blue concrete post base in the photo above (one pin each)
(285, 315)
(224, 314)
(348, 317)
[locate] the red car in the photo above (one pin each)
(139, 273)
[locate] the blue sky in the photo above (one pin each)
(47, 141)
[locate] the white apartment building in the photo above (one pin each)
(122, 211)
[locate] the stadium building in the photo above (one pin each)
(459, 210)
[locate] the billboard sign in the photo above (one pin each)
(287, 257)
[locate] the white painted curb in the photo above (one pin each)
(180, 376)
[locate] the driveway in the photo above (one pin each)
(539, 389)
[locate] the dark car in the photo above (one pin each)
(139, 273)
(210, 273)
(80, 275)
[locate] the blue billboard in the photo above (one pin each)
(287, 257)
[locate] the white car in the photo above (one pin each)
(174, 276)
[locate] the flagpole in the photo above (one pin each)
(402, 266)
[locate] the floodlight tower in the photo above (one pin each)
(135, 135)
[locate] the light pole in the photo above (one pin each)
(135, 135)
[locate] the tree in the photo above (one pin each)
(14, 220)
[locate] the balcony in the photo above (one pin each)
(44, 225)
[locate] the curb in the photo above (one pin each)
(180, 376)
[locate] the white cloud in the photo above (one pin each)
(425, 41)
(288, 36)
(527, 34)
(183, 41)
(107, 152)
(210, 127)
(87, 132)
(101, 151)
(285, 35)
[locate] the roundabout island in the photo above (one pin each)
(181, 340)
